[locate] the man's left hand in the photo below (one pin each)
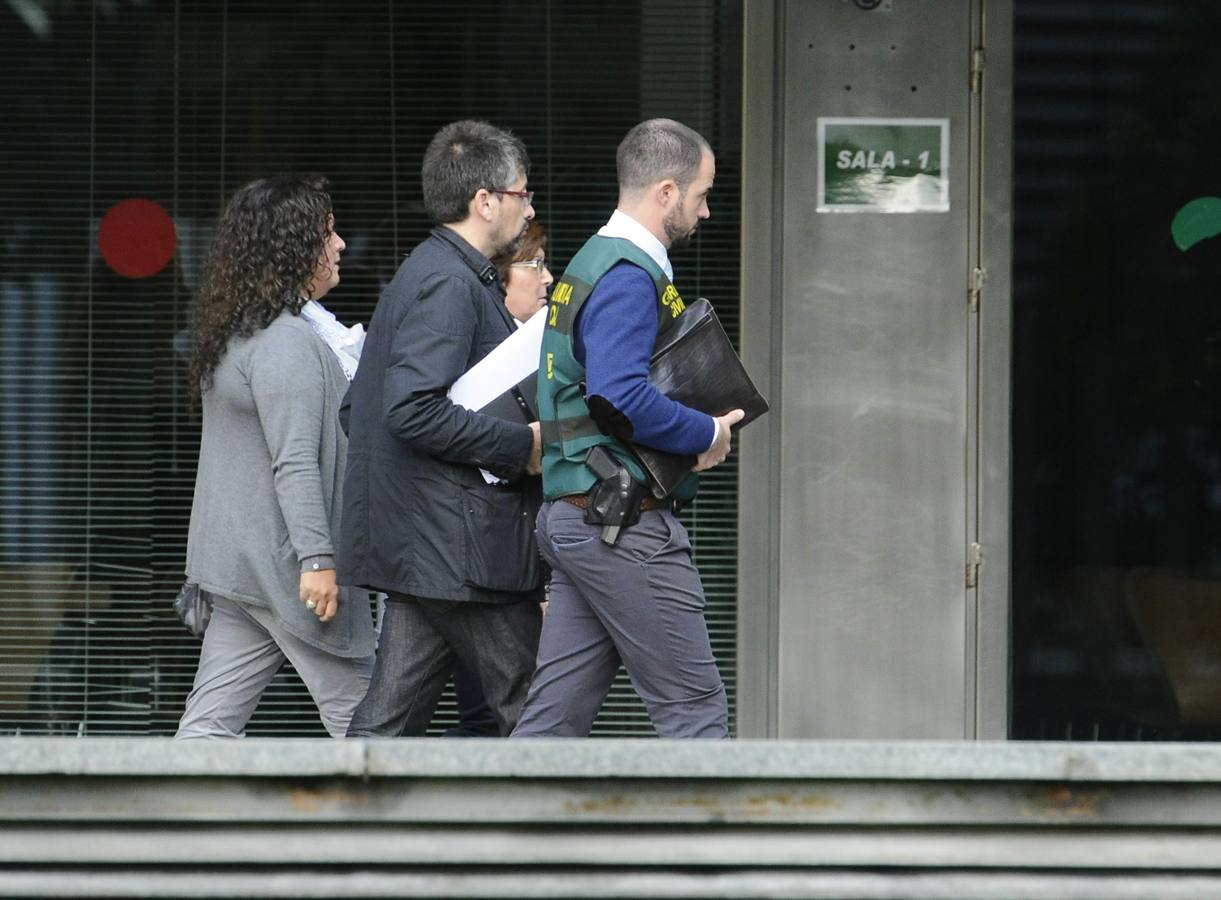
(715, 455)
(534, 465)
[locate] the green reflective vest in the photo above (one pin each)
(568, 432)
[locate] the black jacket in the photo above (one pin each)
(418, 517)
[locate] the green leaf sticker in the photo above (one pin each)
(1197, 220)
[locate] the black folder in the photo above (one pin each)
(519, 403)
(694, 364)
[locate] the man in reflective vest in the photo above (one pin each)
(624, 590)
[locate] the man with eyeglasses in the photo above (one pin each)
(455, 554)
(624, 590)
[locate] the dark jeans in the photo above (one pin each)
(422, 640)
(475, 717)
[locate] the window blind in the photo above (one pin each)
(179, 103)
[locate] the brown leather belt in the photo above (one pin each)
(581, 501)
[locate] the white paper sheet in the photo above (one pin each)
(512, 360)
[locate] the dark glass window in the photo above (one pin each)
(179, 104)
(1116, 373)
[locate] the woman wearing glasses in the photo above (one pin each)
(270, 367)
(526, 279)
(525, 274)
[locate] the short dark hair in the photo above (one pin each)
(658, 149)
(463, 157)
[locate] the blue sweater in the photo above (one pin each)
(613, 339)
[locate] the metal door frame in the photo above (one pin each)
(987, 666)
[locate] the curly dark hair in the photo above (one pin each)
(265, 250)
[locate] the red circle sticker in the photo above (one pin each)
(136, 237)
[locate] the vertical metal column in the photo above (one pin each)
(864, 610)
(761, 326)
(994, 227)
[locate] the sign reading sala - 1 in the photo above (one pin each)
(883, 165)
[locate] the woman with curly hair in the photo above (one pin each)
(270, 368)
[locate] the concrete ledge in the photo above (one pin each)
(748, 883)
(683, 819)
(618, 758)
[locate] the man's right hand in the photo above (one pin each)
(715, 455)
(534, 465)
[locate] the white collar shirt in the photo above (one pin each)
(621, 225)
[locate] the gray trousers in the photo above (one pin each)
(243, 649)
(640, 603)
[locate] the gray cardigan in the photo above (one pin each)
(268, 488)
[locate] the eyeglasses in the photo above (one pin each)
(538, 264)
(527, 196)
